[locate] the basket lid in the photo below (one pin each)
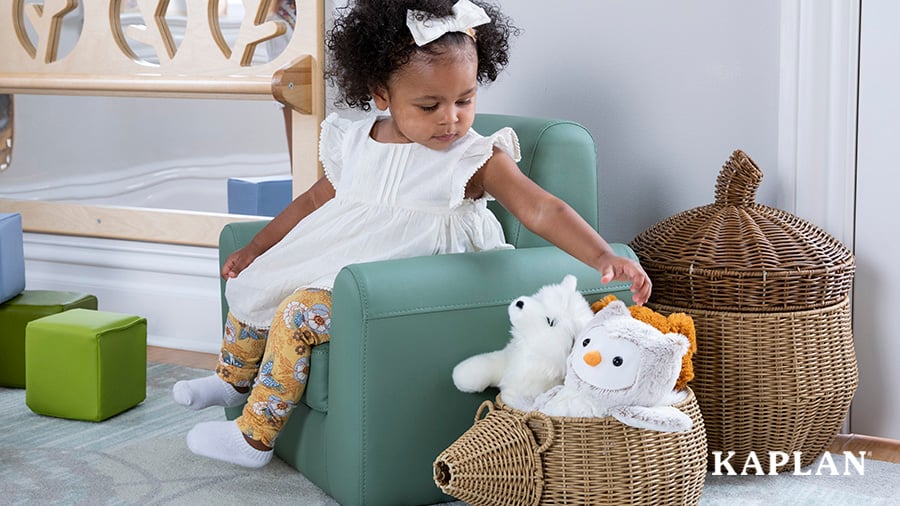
(738, 255)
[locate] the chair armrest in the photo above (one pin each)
(398, 329)
(466, 280)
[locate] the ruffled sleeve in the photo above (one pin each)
(331, 146)
(476, 155)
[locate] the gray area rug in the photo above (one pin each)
(139, 457)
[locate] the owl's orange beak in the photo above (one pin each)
(592, 358)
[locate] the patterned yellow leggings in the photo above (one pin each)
(276, 358)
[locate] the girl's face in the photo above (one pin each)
(431, 99)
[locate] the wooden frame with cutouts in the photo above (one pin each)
(203, 65)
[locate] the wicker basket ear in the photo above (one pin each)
(480, 412)
(546, 430)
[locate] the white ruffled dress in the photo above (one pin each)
(391, 201)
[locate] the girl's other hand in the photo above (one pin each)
(238, 261)
(617, 268)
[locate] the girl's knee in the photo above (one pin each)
(306, 316)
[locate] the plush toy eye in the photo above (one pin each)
(586, 342)
(520, 304)
(617, 361)
(551, 322)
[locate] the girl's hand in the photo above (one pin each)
(316, 196)
(238, 261)
(623, 269)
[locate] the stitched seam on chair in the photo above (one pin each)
(364, 298)
(534, 148)
(611, 287)
(233, 235)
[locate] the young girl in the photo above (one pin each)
(413, 182)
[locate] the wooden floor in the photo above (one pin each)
(876, 448)
(887, 450)
(181, 357)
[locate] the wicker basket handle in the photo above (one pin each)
(486, 405)
(738, 181)
(548, 425)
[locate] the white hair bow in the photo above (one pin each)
(466, 16)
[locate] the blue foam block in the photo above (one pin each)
(258, 196)
(12, 256)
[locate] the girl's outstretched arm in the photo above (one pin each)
(551, 218)
(320, 192)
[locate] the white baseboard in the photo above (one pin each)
(175, 287)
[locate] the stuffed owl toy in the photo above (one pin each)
(624, 368)
(543, 328)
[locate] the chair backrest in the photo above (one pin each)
(560, 156)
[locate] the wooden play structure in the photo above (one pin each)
(201, 65)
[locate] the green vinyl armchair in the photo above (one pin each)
(380, 404)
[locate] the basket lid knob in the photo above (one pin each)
(738, 181)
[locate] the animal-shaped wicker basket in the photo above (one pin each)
(563, 460)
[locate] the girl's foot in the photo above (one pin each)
(209, 391)
(224, 441)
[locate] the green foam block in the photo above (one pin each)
(15, 315)
(85, 365)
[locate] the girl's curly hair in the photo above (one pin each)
(370, 41)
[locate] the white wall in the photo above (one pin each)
(668, 90)
(876, 408)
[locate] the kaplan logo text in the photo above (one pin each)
(854, 464)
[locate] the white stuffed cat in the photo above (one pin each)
(544, 326)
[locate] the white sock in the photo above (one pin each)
(208, 391)
(224, 441)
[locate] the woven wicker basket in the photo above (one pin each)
(737, 255)
(597, 461)
(778, 382)
(775, 368)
